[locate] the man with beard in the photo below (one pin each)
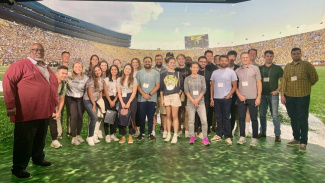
(223, 85)
(207, 75)
(159, 109)
(188, 61)
(30, 91)
(148, 85)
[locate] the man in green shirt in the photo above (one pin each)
(298, 77)
(270, 74)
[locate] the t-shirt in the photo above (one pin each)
(125, 88)
(222, 82)
(170, 82)
(270, 78)
(211, 67)
(147, 81)
(207, 76)
(111, 86)
(90, 84)
(247, 80)
(76, 87)
(195, 86)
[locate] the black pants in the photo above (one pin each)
(77, 109)
(133, 108)
(233, 111)
(29, 141)
(53, 128)
(242, 108)
(106, 125)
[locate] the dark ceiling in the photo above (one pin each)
(170, 1)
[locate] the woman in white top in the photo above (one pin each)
(127, 89)
(136, 64)
(105, 70)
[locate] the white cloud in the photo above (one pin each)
(186, 23)
(176, 30)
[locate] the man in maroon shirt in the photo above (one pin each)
(30, 93)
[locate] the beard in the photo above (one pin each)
(200, 67)
(158, 65)
(147, 66)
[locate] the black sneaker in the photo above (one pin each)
(140, 137)
(151, 137)
(43, 163)
(22, 173)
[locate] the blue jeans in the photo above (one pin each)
(298, 108)
(93, 117)
(148, 109)
(271, 101)
(222, 108)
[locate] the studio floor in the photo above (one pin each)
(158, 161)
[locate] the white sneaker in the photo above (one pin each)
(216, 138)
(200, 135)
(153, 133)
(90, 141)
(80, 139)
(108, 138)
(95, 139)
(113, 137)
(248, 133)
(164, 134)
(241, 140)
(100, 134)
(180, 133)
(174, 141)
(75, 141)
(137, 133)
(167, 139)
(187, 134)
(253, 142)
(56, 144)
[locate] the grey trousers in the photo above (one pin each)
(191, 109)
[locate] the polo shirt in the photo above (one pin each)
(247, 77)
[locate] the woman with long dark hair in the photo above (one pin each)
(94, 60)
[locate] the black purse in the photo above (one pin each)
(125, 117)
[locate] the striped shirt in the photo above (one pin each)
(298, 78)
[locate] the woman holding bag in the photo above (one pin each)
(127, 89)
(110, 100)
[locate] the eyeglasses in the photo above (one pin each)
(38, 50)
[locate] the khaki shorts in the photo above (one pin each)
(172, 100)
(160, 109)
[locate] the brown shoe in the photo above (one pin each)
(302, 147)
(293, 142)
(260, 135)
(277, 139)
(122, 140)
(130, 140)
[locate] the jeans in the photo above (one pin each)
(242, 108)
(147, 110)
(93, 117)
(197, 124)
(222, 108)
(271, 101)
(297, 108)
(201, 111)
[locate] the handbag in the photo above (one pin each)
(110, 117)
(125, 119)
(101, 108)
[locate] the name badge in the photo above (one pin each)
(266, 79)
(244, 83)
(294, 78)
(145, 85)
(220, 85)
(195, 92)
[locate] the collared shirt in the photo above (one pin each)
(247, 77)
(270, 78)
(43, 69)
(298, 79)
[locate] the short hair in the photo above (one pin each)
(232, 52)
(181, 55)
(158, 55)
(252, 49)
(201, 58)
(223, 56)
(268, 52)
(146, 58)
(216, 56)
(62, 67)
(243, 53)
(170, 58)
(295, 49)
(208, 51)
(194, 62)
(65, 52)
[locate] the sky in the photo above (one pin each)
(156, 25)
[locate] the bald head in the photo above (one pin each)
(37, 52)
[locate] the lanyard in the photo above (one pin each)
(269, 72)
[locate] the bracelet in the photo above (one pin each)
(149, 94)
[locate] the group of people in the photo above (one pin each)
(185, 96)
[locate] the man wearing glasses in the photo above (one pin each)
(30, 93)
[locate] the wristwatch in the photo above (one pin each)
(149, 93)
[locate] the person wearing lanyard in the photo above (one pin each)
(249, 96)
(195, 87)
(110, 100)
(223, 86)
(271, 74)
(148, 85)
(170, 89)
(298, 77)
